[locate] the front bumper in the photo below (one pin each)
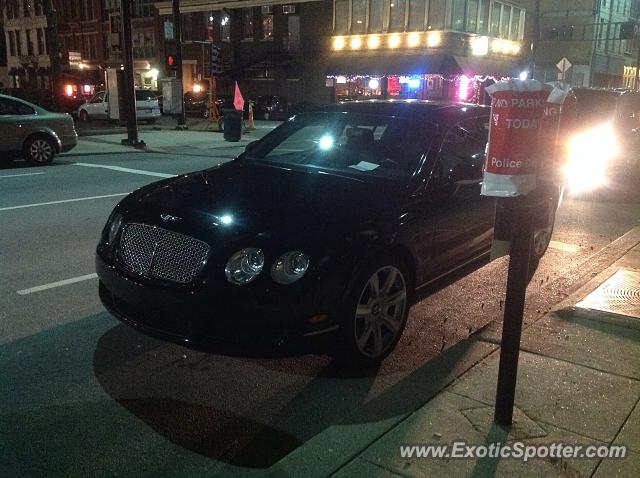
(205, 317)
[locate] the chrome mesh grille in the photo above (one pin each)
(161, 254)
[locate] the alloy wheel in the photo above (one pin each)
(41, 151)
(380, 311)
(541, 240)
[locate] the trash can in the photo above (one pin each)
(232, 125)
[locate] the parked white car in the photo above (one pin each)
(147, 107)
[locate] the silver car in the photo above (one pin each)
(34, 132)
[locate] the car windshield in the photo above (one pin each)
(356, 143)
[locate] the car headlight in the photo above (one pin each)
(588, 158)
(114, 227)
(290, 267)
(244, 266)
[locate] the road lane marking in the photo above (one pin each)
(127, 170)
(61, 201)
(18, 175)
(59, 283)
(564, 247)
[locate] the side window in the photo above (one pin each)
(463, 149)
(10, 107)
(98, 98)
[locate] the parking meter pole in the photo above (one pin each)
(517, 280)
(182, 120)
(129, 89)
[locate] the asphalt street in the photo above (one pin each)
(82, 394)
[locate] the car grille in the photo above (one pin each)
(157, 253)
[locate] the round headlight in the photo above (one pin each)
(290, 267)
(244, 266)
(114, 227)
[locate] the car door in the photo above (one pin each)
(97, 106)
(15, 120)
(462, 219)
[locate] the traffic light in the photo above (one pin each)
(171, 62)
(216, 67)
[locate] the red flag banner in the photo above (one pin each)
(238, 100)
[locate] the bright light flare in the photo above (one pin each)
(326, 142)
(588, 158)
(463, 93)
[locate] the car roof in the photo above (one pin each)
(408, 108)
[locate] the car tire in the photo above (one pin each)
(266, 116)
(371, 322)
(39, 150)
(542, 238)
(205, 113)
(84, 116)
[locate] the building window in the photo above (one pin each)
(12, 9)
(397, 15)
(247, 23)
(18, 43)
(267, 26)
(601, 34)
(506, 21)
(41, 43)
(417, 14)
(358, 16)
(12, 42)
(225, 27)
(26, 8)
(436, 17)
(29, 42)
(376, 11)
(141, 8)
(341, 17)
(38, 7)
(88, 9)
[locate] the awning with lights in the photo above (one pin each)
(189, 6)
(382, 65)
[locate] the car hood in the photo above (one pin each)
(245, 200)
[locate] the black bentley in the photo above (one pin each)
(323, 228)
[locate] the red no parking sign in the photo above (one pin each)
(522, 112)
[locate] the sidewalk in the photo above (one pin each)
(578, 383)
(187, 142)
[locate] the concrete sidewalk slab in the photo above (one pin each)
(627, 468)
(596, 344)
(630, 433)
(559, 393)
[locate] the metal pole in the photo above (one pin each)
(129, 96)
(637, 83)
(534, 42)
(517, 280)
(177, 27)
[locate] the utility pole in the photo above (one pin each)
(637, 82)
(177, 28)
(53, 49)
(534, 42)
(129, 93)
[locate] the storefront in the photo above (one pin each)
(422, 77)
